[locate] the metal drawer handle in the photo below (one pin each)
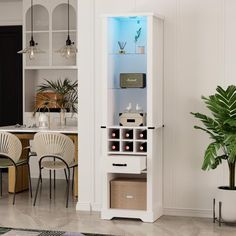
(119, 164)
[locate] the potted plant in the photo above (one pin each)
(59, 93)
(221, 127)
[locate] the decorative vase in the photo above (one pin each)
(63, 117)
(140, 49)
(44, 118)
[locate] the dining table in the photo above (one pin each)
(25, 134)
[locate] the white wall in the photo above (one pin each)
(200, 53)
(11, 12)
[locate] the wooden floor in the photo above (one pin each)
(53, 215)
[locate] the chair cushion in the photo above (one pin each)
(53, 165)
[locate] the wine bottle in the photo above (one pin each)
(142, 134)
(114, 134)
(128, 134)
(114, 146)
(142, 147)
(129, 147)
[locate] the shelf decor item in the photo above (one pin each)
(132, 80)
(67, 95)
(122, 47)
(44, 119)
(221, 127)
(140, 49)
(69, 50)
(32, 49)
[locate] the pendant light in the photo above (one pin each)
(32, 49)
(69, 50)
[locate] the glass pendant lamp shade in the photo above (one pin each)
(69, 50)
(32, 49)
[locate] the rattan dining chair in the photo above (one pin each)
(10, 153)
(55, 152)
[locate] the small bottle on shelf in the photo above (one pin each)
(142, 147)
(114, 134)
(142, 134)
(128, 147)
(128, 134)
(114, 147)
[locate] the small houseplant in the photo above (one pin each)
(221, 127)
(66, 95)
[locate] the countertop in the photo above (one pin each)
(24, 129)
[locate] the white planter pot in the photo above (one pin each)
(228, 199)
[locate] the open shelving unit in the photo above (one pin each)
(132, 155)
(50, 32)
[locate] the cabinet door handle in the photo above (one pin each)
(119, 164)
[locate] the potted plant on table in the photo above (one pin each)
(60, 93)
(221, 127)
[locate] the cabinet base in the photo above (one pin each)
(145, 216)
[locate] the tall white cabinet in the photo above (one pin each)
(50, 32)
(132, 155)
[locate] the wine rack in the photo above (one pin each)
(122, 140)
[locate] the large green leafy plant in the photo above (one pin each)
(221, 126)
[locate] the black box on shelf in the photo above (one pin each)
(132, 80)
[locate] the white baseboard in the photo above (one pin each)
(96, 206)
(204, 213)
(188, 212)
(83, 206)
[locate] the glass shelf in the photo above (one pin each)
(127, 54)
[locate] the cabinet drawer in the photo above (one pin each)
(125, 164)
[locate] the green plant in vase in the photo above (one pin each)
(136, 37)
(221, 127)
(66, 95)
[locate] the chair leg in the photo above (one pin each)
(50, 183)
(1, 182)
(30, 185)
(14, 196)
(37, 189)
(40, 176)
(54, 181)
(73, 176)
(66, 175)
(68, 188)
(54, 175)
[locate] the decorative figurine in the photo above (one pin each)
(138, 108)
(129, 107)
